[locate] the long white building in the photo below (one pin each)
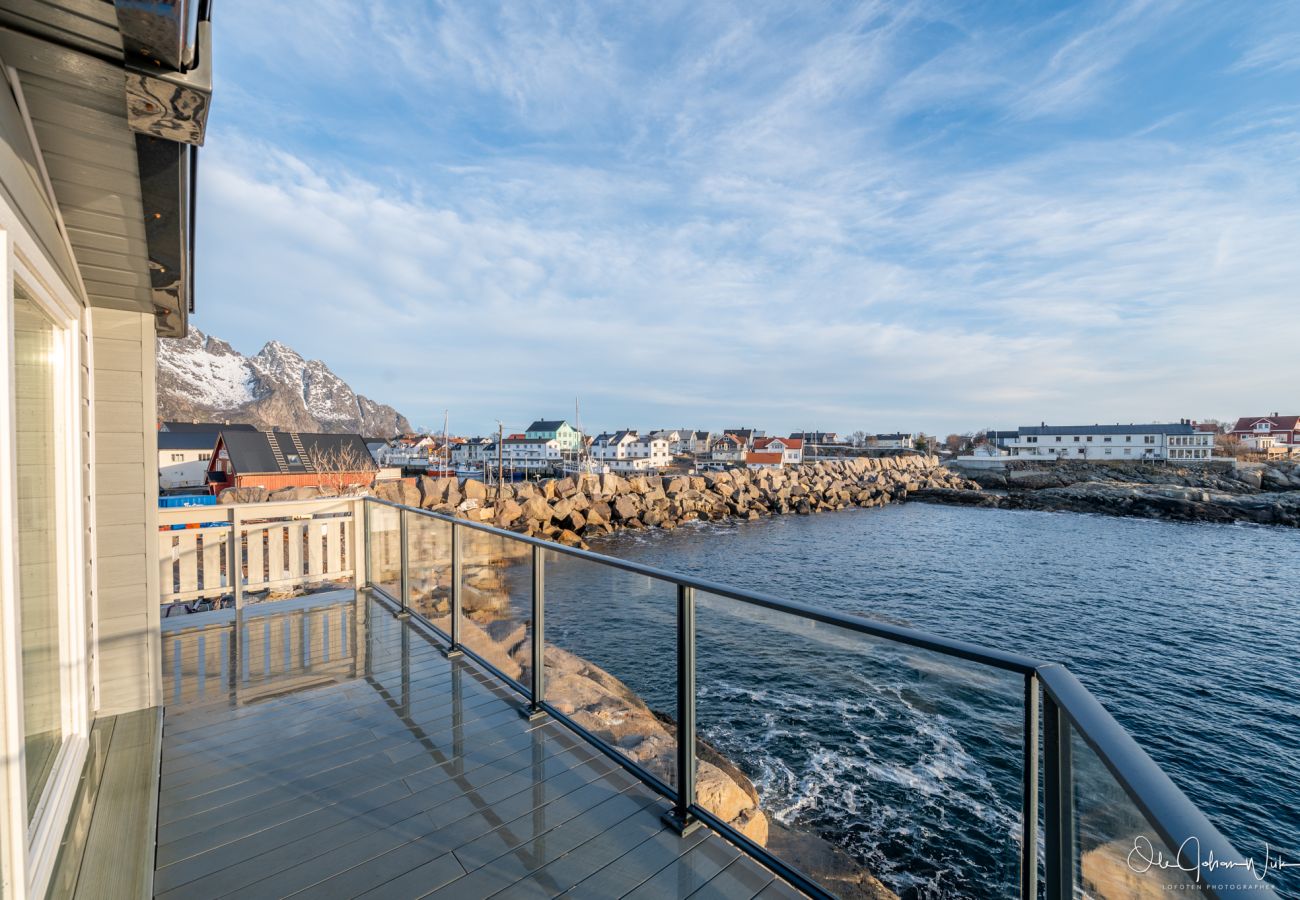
(628, 451)
(1176, 441)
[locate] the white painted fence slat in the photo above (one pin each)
(315, 567)
(213, 548)
(275, 562)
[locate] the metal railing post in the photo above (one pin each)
(1058, 797)
(534, 709)
(365, 538)
(454, 648)
(405, 583)
(236, 565)
(680, 818)
(1029, 796)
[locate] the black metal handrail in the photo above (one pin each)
(1066, 706)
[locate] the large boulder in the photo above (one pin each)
(297, 492)
(242, 495)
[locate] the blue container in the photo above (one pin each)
(180, 500)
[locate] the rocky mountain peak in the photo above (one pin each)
(201, 377)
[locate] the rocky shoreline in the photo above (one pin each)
(1263, 495)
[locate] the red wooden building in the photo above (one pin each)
(279, 459)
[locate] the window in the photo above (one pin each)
(1076, 439)
(178, 457)
(1108, 450)
(203, 457)
(37, 545)
(1059, 439)
(1106, 440)
(1089, 439)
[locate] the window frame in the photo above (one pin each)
(30, 848)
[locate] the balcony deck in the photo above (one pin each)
(334, 751)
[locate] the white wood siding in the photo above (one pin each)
(125, 511)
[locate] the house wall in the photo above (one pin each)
(191, 470)
(124, 440)
(273, 482)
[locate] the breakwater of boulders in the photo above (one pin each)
(571, 508)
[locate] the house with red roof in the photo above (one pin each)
(1269, 434)
(755, 459)
(791, 449)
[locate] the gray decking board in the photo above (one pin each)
(399, 773)
(109, 850)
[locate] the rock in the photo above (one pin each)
(242, 495)
(538, 509)
(474, 490)
(826, 864)
(298, 492)
(624, 509)
(507, 512)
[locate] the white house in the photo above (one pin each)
(524, 454)
(790, 449)
(677, 440)
(627, 451)
(183, 459)
(728, 450)
(1177, 441)
(895, 441)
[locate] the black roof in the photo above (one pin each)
(208, 427)
(254, 453)
(1148, 428)
(187, 440)
(546, 425)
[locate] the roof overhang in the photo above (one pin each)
(117, 97)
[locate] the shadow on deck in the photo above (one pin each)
(332, 750)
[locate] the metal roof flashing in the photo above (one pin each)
(117, 97)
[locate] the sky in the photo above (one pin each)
(917, 216)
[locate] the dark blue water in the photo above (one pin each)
(1189, 634)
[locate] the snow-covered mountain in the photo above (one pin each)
(202, 378)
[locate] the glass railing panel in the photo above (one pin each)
(496, 600)
(1118, 855)
(611, 657)
(385, 549)
(428, 547)
(855, 758)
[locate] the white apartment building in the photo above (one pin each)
(530, 455)
(1177, 441)
(627, 451)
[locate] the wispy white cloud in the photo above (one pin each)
(694, 215)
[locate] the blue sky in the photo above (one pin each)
(847, 215)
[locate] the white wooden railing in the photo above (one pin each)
(272, 547)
